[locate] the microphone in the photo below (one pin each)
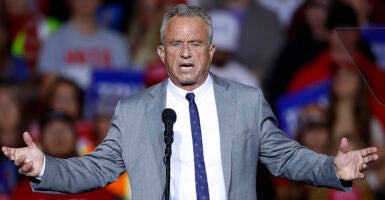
(168, 118)
(168, 114)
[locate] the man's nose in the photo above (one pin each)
(185, 51)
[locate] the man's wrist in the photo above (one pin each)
(40, 176)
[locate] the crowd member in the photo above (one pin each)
(257, 46)
(58, 9)
(349, 116)
(144, 37)
(11, 110)
(144, 30)
(58, 138)
(283, 9)
(8, 177)
(304, 21)
(313, 133)
(10, 127)
(11, 68)
(58, 135)
(307, 37)
(79, 46)
(369, 11)
(112, 14)
(27, 30)
(312, 128)
(225, 37)
(67, 97)
(340, 52)
(226, 110)
(371, 18)
(353, 111)
(349, 109)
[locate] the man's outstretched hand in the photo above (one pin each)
(351, 164)
(29, 159)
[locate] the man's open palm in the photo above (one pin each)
(351, 164)
(29, 159)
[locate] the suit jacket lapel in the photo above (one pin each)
(225, 102)
(156, 102)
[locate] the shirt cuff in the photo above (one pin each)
(40, 176)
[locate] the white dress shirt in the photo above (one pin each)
(182, 184)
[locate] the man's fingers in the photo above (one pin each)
(20, 160)
(26, 168)
(360, 175)
(9, 153)
(364, 166)
(27, 139)
(370, 158)
(5, 151)
(369, 154)
(368, 151)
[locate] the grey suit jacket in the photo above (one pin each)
(134, 143)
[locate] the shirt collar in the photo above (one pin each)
(181, 93)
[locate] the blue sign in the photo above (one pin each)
(375, 36)
(289, 105)
(108, 86)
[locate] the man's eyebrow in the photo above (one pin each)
(189, 41)
(194, 41)
(173, 41)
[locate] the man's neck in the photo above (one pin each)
(207, 83)
(191, 87)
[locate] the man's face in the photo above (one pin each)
(186, 52)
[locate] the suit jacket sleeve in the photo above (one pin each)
(286, 158)
(94, 170)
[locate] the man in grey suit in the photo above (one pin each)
(238, 130)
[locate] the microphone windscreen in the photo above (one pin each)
(168, 114)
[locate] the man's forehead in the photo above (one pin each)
(186, 27)
(187, 21)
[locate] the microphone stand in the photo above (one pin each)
(168, 139)
(168, 118)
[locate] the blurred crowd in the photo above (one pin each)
(320, 64)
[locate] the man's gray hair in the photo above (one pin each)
(183, 10)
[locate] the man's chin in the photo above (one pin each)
(187, 83)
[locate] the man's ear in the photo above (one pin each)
(211, 50)
(161, 52)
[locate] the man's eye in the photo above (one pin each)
(195, 44)
(175, 44)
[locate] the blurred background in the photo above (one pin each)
(64, 64)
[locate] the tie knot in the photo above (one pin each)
(190, 96)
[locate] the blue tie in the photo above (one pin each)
(201, 185)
